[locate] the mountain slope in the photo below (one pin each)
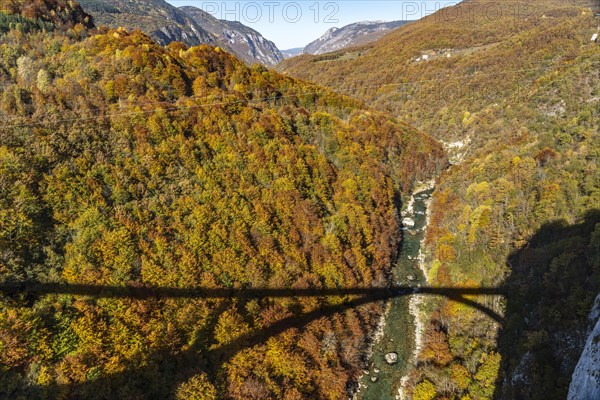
(126, 165)
(514, 95)
(157, 18)
(190, 25)
(243, 41)
(359, 33)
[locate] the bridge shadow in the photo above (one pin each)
(554, 280)
(553, 283)
(163, 377)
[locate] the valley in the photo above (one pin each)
(400, 333)
(520, 90)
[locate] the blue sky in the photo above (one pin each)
(296, 23)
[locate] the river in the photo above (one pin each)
(381, 380)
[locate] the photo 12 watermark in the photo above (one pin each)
(291, 12)
(330, 12)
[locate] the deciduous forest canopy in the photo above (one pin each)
(127, 163)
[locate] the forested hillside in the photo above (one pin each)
(514, 91)
(65, 13)
(124, 163)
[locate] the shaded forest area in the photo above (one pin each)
(546, 319)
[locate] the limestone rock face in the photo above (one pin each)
(585, 382)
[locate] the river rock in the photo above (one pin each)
(391, 358)
(409, 222)
(410, 277)
(373, 379)
(376, 370)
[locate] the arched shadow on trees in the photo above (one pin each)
(553, 283)
(558, 271)
(162, 377)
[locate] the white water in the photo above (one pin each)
(414, 305)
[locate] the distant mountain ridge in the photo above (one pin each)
(355, 34)
(292, 52)
(166, 23)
